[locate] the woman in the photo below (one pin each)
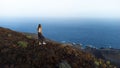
(41, 38)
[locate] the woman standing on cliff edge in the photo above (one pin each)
(41, 38)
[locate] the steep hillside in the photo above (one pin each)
(111, 54)
(20, 51)
(11, 38)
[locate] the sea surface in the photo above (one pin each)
(95, 32)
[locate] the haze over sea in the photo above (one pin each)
(95, 32)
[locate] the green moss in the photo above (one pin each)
(22, 44)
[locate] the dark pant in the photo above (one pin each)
(41, 38)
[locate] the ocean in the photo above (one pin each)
(95, 32)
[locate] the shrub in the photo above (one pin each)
(29, 37)
(108, 62)
(9, 35)
(97, 63)
(22, 44)
(64, 64)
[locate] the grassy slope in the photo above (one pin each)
(50, 55)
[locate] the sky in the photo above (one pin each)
(60, 8)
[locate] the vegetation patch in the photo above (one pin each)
(29, 37)
(22, 44)
(9, 35)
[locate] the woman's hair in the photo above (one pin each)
(39, 26)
